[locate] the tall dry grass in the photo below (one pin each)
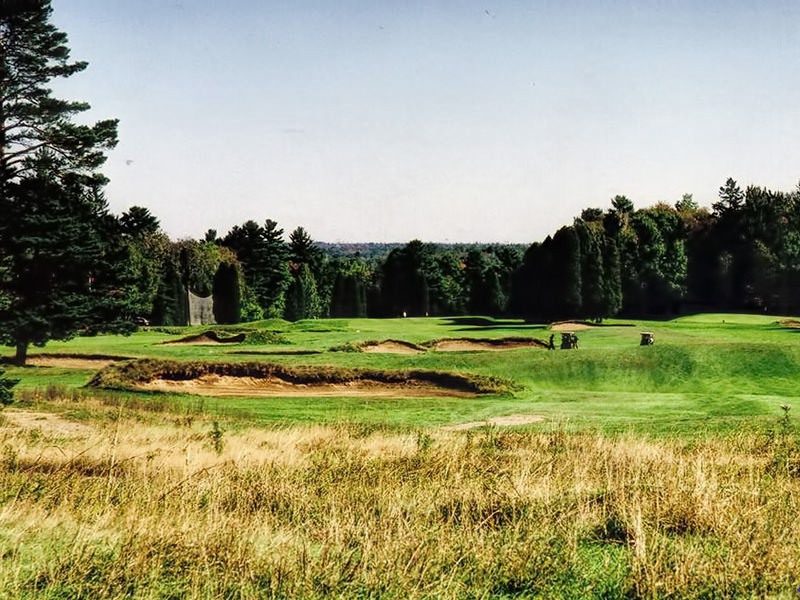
(127, 506)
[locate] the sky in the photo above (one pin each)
(444, 121)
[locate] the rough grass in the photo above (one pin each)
(185, 506)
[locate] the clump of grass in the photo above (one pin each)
(348, 347)
(265, 337)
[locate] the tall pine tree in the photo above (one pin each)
(56, 238)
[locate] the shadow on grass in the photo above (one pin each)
(487, 323)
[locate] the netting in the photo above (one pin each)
(201, 310)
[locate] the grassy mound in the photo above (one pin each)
(211, 337)
(128, 375)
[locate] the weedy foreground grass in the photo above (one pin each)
(137, 504)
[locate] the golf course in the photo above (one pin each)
(411, 457)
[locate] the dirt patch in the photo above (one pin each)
(392, 347)
(72, 361)
(226, 385)
(48, 423)
(206, 338)
(472, 344)
(498, 421)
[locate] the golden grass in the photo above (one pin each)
(146, 507)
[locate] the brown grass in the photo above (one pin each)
(147, 508)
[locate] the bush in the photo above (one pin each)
(6, 395)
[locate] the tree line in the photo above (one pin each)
(743, 254)
(68, 266)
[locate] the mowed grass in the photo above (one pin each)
(710, 372)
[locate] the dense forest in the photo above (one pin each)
(68, 266)
(743, 254)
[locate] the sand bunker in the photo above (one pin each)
(578, 325)
(206, 338)
(468, 344)
(392, 347)
(498, 421)
(569, 326)
(72, 361)
(227, 385)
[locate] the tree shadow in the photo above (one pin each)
(487, 323)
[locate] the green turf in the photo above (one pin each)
(707, 372)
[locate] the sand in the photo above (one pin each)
(225, 385)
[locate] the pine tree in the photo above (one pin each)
(592, 276)
(227, 295)
(57, 242)
(302, 301)
(32, 53)
(171, 304)
(566, 273)
(59, 277)
(612, 279)
(6, 395)
(276, 270)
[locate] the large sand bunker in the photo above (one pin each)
(473, 344)
(266, 379)
(579, 325)
(392, 347)
(226, 385)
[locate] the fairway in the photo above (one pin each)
(705, 373)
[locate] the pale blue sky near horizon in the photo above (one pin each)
(446, 121)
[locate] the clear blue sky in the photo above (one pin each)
(439, 120)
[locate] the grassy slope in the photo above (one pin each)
(707, 371)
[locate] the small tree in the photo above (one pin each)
(6, 395)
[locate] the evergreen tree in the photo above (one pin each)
(6, 395)
(302, 301)
(60, 274)
(171, 304)
(227, 294)
(57, 241)
(276, 269)
(590, 235)
(565, 274)
(138, 222)
(303, 251)
(612, 279)
(265, 262)
(33, 53)
(349, 292)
